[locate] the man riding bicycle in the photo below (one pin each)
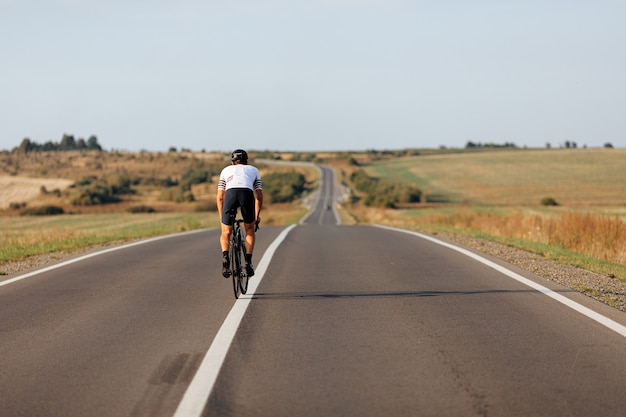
(239, 186)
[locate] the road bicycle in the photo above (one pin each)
(237, 252)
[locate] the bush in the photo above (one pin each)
(85, 181)
(94, 195)
(549, 201)
(283, 187)
(384, 193)
(159, 182)
(42, 211)
(119, 184)
(93, 191)
(196, 177)
(180, 194)
(141, 209)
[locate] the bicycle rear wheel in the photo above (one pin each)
(235, 261)
(243, 276)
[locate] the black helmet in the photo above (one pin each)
(239, 155)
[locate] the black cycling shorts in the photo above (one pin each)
(238, 198)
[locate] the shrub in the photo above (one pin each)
(141, 209)
(93, 191)
(549, 201)
(384, 193)
(159, 182)
(85, 181)
(196, 177)
(283, 187)
(42, 211)
(119, 184)
(180, 194)
(94, 195)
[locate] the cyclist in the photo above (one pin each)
(239, 186)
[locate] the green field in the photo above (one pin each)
(573, 177)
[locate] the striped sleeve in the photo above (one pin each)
(221, 183)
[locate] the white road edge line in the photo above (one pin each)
(91, 255)
(197, 394)
(603, 320)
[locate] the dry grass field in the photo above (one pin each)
(21, 189)
(44, 179)
(498, 194)
(65, 168)
(23, 175)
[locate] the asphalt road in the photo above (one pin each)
(341, 321)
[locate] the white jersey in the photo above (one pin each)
(240, 176)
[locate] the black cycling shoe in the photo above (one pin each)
(249, 270)
(226, 267)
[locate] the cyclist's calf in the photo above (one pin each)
(250, 237)
(225, 236)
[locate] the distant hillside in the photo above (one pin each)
(573, 177)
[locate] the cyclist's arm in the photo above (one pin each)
(258, 203)
(220, 201)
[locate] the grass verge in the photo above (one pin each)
(593, 250)
(23, 237)
(552, 252)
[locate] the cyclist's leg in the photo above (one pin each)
(229, 208)
(227, 230)
(247, 212)
(250, 237)
(249, 245)
(230, 204)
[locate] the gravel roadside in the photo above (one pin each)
(609, 290)
(606, 289)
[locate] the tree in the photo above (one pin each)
(67, 143)
(26, 145)
(92, 143)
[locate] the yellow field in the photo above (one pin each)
(20, 189)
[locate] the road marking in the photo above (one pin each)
(603, 320)
(91, 255)
(200, 388)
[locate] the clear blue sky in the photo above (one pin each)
(313, 74)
